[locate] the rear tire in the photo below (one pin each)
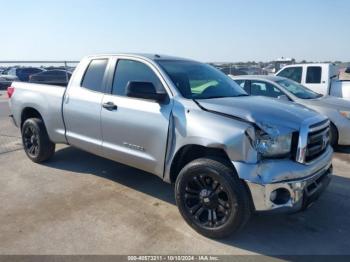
(333, 135)
(211, 198)
(36, 141)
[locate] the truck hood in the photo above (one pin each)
(260, 110)
(329, 102)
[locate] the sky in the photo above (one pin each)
(205, 30)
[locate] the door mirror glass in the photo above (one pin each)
(144, 90)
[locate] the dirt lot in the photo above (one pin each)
(79, 203)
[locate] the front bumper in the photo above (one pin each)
(284, 184)
(344, 132)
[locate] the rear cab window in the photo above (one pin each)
(313, 75)
(94, 75)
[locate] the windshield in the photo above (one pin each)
(298, 90)
(196, 80)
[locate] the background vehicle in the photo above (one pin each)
(51, 77)
(189, 124)
(321, 78)
(4, 83)
(336, 109)
(5, 76)
(20, 73)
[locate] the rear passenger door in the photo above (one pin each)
(82, 106)
(316, 80)
(135, 131)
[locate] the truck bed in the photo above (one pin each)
(46, 100)
(340, 88)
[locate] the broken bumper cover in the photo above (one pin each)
(286, 185)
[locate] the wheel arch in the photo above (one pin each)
(191, 152)
(335, 128)
(30, 112)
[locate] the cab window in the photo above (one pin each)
(129, 70)
(313, 75)
(293, 73)
(260, 88)
(243, 84)
(94, 75)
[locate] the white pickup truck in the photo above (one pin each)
(321, 78)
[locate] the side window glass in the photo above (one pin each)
(129, 70)
(240, 83)
(259, 88)
(313, 75)
(12, 71)
(293, 73)
(94, 75)
(243, 84)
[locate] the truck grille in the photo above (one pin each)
(317, 141)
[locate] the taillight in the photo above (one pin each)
(10, 91)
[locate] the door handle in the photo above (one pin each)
(110, 106)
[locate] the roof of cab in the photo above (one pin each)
(154, 57)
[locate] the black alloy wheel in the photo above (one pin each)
(207, 201)
(36, 141)
(31, 141)
(211, 198)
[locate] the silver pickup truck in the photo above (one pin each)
(227, 153)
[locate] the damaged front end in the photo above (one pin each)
(271, 142)
(277, 180)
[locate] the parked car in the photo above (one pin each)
(251, 70)
(321, 78)
(68, 68)
(189, 124)
(4, 84)
(336, 109)
(232, 71)
(51, 77)
(6, 76)
(20, 73)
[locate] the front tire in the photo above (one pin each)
(36, 141)
(211, 198)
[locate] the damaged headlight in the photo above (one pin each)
(277, 146)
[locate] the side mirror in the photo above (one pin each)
(283, 97)
(347, 70)
(144, 90)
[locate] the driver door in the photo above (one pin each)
(135, 130)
